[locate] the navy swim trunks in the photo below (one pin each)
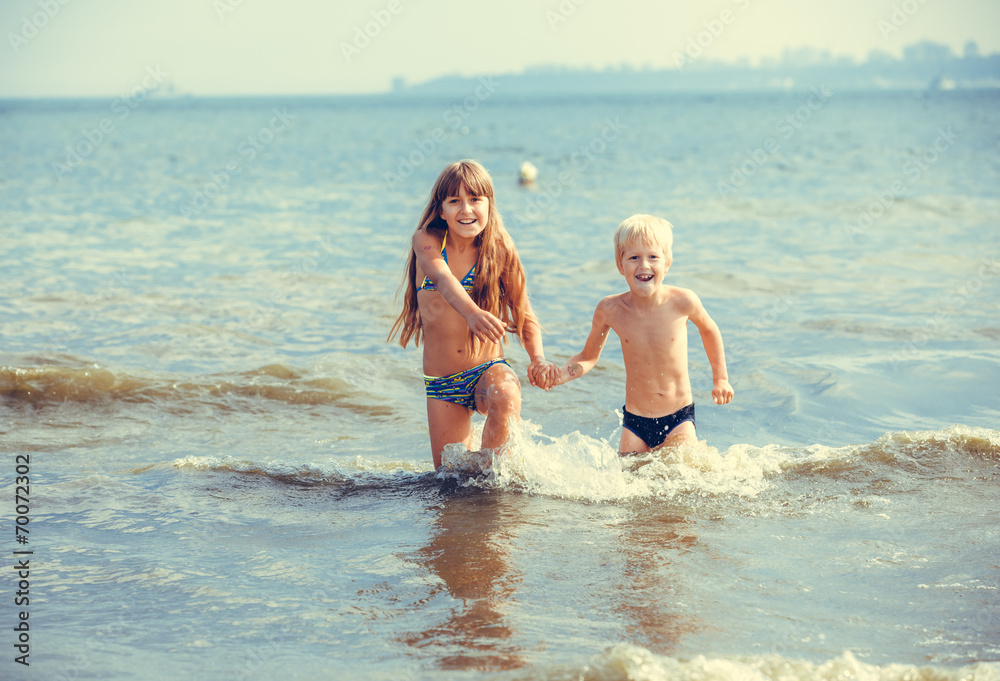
(653, 431)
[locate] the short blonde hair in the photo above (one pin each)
(646, 229)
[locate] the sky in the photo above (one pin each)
(96, 48)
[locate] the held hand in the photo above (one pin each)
(552, 371)
(485, 327)
(536, 372)
(556, 376)
(541, 373)
(722, 392)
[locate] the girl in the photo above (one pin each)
(465, 290)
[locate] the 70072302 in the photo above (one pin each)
(22, 498)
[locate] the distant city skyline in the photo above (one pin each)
(103, 48)
(924, 51)
(924, 66)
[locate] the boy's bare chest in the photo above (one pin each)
(654, 330)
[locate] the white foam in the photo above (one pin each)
(581, 467)
(631, 663)
(577, 466)
(970, 439)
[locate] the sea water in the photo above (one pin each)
(228, 468)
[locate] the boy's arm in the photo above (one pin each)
(584, 361)
(483, 325)
(711, 338)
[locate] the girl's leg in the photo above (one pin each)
(447, 423)
(498, 395)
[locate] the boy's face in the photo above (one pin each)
(643, 267)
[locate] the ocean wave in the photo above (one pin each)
(361, 465)
(356, 473)
(46, 385)
(930, 453)
(627, 662)
(576, 466)
(579, 467)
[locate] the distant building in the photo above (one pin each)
(927, 52)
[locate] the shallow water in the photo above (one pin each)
(230, 474)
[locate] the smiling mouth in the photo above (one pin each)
(644, 277)
(467, 222)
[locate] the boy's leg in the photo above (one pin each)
(683, 434)
(498, 395)
(448, 423)
(631, 443)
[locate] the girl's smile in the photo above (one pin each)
(466, 214)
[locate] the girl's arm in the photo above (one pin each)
(484, 326)
(584, 361)
(711, 338)
(539, 371)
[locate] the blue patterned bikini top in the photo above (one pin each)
(467, 281)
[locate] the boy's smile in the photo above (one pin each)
(466, 214)
(643, 267)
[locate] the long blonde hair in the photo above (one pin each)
(499, 285)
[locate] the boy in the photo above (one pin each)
(651, 322)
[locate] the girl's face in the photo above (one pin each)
(466, 214)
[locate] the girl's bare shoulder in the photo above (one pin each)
(425, 237)
(426, 245)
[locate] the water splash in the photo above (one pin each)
(580, 467)
(632, 663)
(577, 466)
